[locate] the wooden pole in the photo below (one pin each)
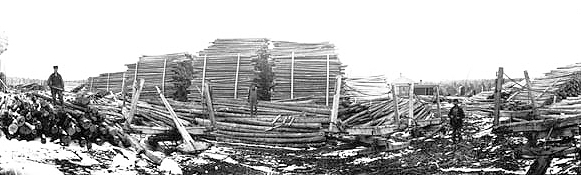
(188, 140)
(497, 91)
(411, 103)
(438, 104)
(236, 79)
(134, 100)
(123, 90)
(327, 90)
(395, 104)
(204, 74)
(530, 93)
(292, 81)
(108, 75)
(91, 86)
(335, 110)
(135, 78)
(210, 105)
(163, 76)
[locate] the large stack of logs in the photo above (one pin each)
(231, 67)
(305, 69)
(27, 116)
(172, 73)
(110, 82)
(381, 112)
(366, 88)
(555, 85)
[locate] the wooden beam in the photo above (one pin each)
(134, 100)
(210, 105)
(497, 91)
(395, 104)
(189, 144)
(540, 125)
(530, 94)
(411, 104)
(335, 110)
(438, 104)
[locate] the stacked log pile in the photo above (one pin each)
(366, 88)
(560, 83)
(305, 69)
(110, 82)
(231, 65)
(27, 116)
(381, 112)
(277, 123)
(171, 72)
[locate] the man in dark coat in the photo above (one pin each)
(456, 115)
(56, 84)
(253, 99)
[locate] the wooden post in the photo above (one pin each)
(163, 76)
(236, 79)
(438, 104)
(210, 105)
(123, 90)
(134, 100)
(108, 75)
(188, 140)
(135, 78)
(335, 109)
(91, 86)
(204, 75)
(411, 103)
(396, 105)
(327, 90)
(292, 90)
(497, 91)
(530, 93)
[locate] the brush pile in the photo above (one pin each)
(305, 70)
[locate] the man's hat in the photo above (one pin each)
(55, 67)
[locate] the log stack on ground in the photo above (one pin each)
(171, 72)
(304, 70)
(231, 65)
(381, 112)
(366, 88)
(109, 82)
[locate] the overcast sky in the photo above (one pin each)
(428, 40)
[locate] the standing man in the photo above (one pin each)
(253, 99)
(56, 84)
(456, 115)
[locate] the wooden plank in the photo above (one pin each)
(136, 93)
(335, 109)
(533, 104)
(210, 105)
(395, 104)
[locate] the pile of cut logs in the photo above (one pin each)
(171, 72)
(110, 82)
(27, 116)
(381, 112)
(555, 85)
(305, 70)
(231, 66)
(366, 88)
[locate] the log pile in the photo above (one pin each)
(381, 112)
(231, 65)
(560, 83)
(366, 88)
(109, 82)
(305, 69)
(171, 72)
(27, 116)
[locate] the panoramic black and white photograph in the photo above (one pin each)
(268, 87)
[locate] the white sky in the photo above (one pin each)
(429, 40)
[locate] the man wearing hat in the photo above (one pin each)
(56, 84)
(456, 119)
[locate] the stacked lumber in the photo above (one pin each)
(561, 83)
(305, 69)
(171, 72)
(366, 88)
(565, 108)
(27, 116)
(381, 112)
(231, 67)
(110, 82)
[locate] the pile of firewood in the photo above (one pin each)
(381, 112)
(27, 116)
(171, 72)
(560, 83)
(304, 70)
(109, 82)
(232, 65)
